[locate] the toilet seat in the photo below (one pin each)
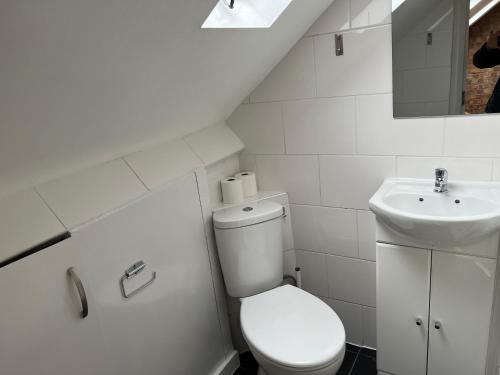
(292, 328)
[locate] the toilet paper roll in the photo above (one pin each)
(232, 190)
(249, 183)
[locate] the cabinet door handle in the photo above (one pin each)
(81, 292)
(438, 325)
(419, 322)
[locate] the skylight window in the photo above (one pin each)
(480, 8)
(396, 4)
(245, 14)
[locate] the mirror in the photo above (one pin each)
(446, 57)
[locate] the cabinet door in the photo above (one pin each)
(461, 303)
(171, 326)
(403, 277)
(41, 330)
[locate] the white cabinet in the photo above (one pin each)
(169, 327)
(402, 309)
(41, 330)
(461, 303)
(433, 311)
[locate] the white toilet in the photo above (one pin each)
(288, 330)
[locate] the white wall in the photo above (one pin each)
(321, 128)
(83, 82)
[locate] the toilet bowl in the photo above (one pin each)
(290, 331)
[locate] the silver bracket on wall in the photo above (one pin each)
(339, 44)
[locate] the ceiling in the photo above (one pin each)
(83, 81)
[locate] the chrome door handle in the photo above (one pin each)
(81, 291)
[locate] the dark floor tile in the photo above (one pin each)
(352, 348)
(248, 364)
(368, 352)
(346, 367)
(242, 371)
(365, 366)
(353, 364)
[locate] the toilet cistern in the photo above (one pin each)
(441, 181)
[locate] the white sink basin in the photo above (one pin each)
(465, 214)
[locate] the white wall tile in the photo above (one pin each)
(378, 133)
(214, 143)
(458, 168)
(426, 85)
(320, 126)
(410, 52)
(292, 78)
(314, 272)
(89, 193)
(324, 229)
(437, 108)
(159, 165)
(237, 336)
(350, 181)
(351, 317)
(351, 280)
(296, 175)
(335, 18)
(25, 221)
(247, 162)
(369, 327)
(439, 52)
(287, 229)
(290, 262)
(218, 171)
(370, 12)
(475, 136)
(366, 235)
(496, 169)
(260, 127)
(365, 67)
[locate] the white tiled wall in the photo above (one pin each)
(325, 133)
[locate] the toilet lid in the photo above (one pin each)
(292, 328)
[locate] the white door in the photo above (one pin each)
(461, 303)
(171, 326)
(403, 277)
(41, 329)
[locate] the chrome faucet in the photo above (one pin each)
(441, 182)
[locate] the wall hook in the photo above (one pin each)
(339, 44)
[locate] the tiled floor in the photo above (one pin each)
(357, 361)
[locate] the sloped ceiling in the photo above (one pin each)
(83, 81)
